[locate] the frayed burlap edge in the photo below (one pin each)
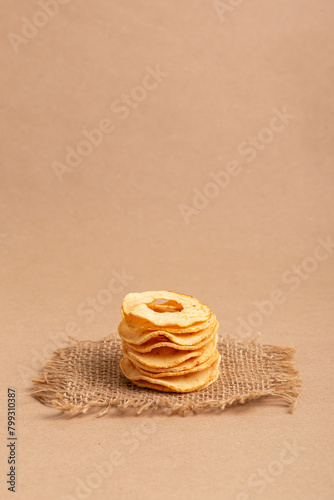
(86, 376)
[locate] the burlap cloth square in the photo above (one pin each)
(87, 375)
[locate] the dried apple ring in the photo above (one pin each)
(178, 310)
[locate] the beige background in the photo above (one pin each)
(119, 211)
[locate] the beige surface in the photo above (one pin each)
(224, 80)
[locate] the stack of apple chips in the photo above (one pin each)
(169, 341)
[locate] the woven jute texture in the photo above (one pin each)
(87, 375)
